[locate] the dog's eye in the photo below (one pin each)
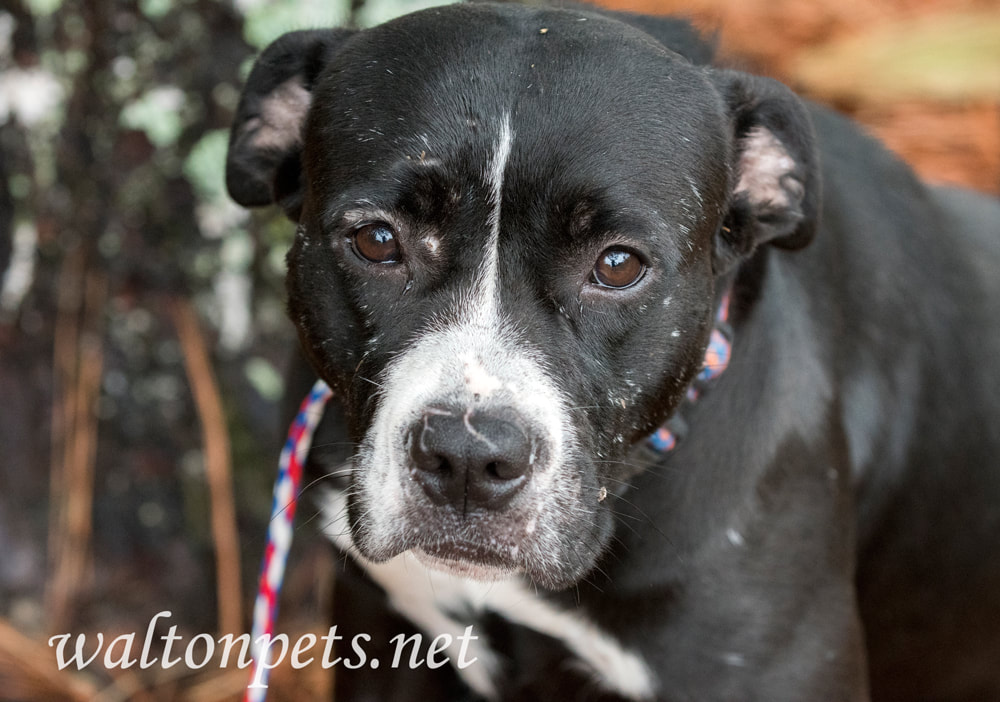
(377, 243)
(617, 268)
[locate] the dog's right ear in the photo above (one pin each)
(264, 165)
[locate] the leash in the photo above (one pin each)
(296, 448)
(279, 533)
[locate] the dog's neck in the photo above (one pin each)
(717, 354)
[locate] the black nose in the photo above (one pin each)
(471, 460)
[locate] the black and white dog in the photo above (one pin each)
(519, 229)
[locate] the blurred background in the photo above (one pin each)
(143, 339)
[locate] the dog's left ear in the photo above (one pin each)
(776, 186)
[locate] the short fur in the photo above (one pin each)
(827, 527)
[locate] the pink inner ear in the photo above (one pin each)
(764, 163)
(278, 127)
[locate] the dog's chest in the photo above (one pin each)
(439, 603)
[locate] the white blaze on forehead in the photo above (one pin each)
(486, 303)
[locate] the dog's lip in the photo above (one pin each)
(466, 569)
(459, 556)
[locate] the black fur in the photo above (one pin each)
(828, 527)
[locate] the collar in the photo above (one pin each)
(720, 346)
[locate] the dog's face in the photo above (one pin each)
(511, 224)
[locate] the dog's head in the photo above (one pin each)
(512, 224)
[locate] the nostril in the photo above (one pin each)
(433, 465)
(443, 466)
(502, 470)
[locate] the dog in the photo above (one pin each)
(521, 232)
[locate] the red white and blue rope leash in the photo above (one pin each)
(289, 481)
(279, 532)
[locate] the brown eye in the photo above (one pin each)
(618, 268)
(377, 243)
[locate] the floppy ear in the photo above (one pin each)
(263, 165)
(776, 183)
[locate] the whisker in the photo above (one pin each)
(369, 380)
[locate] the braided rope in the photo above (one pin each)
(279, 532)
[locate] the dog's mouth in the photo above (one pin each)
(470, 560)
(468, 555)
(483, 545)
(547, 533)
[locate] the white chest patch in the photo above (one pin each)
(425, 596)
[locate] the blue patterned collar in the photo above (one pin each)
(717, 355)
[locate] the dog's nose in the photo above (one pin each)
(471, 460)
